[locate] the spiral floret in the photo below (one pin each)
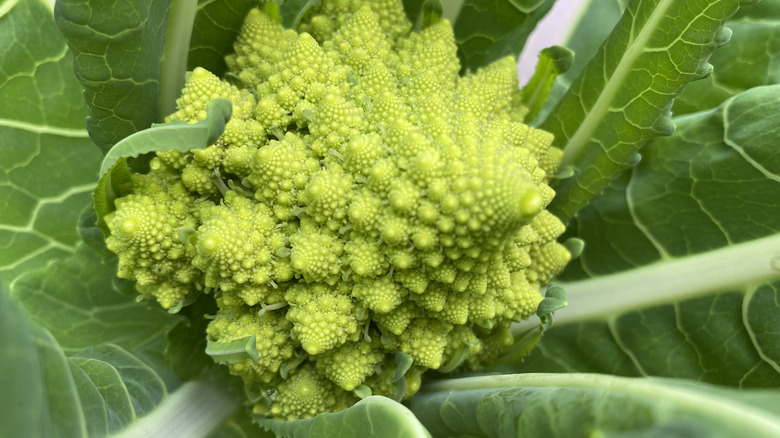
(364, 201)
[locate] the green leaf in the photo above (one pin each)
(750, 59)
(554, 299)
(48, 161)
(362, 391)
(683, 255)
(623, 96)
(712, 184)
(432, 11)
(553, 62)
(372, 416)
(524, 342)
(413, 9)
(489, 30)
(403, 362)
(186, 342)
(592, 405)
(234, 351)
(129, 388)
(76, 300)
(117, 48)
(88, 371)
(114, 173)
(423, 13)
(173, 136)
(584, 40)
(458, 357)
(292, 11)
(22, 376)
(214, 30)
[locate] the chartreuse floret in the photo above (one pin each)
(324, 317)
(364, 203)
(236, 247)
(348, 365)
(148, 232)
(272, 332)
(305, 394)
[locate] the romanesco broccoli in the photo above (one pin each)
(363, 200)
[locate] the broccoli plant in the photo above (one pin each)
(350, 218)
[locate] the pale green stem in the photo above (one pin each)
(753, 421)
(174, 58)
(6, 6)
(736, 267)
(192, 411)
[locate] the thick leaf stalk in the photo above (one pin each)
(592, 405)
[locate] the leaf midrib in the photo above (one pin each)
(749, 417)
(592, 121)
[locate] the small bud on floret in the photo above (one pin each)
(365, 258)
(258, 47)
(396, 321)
(360, 40)
(362, 152)
(201, 88)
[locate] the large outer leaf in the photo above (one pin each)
(487, 30)
(623, 96)
(117, 47)
(702, 213)
(292, 11)
(750, 59)
(216, 25)
(713, 183)
(372, 416)
(87, 355)
(47, 169)
(581, 405)
(21, 372)
(98, 350)
(77, 301)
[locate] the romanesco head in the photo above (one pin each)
(364, 201)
